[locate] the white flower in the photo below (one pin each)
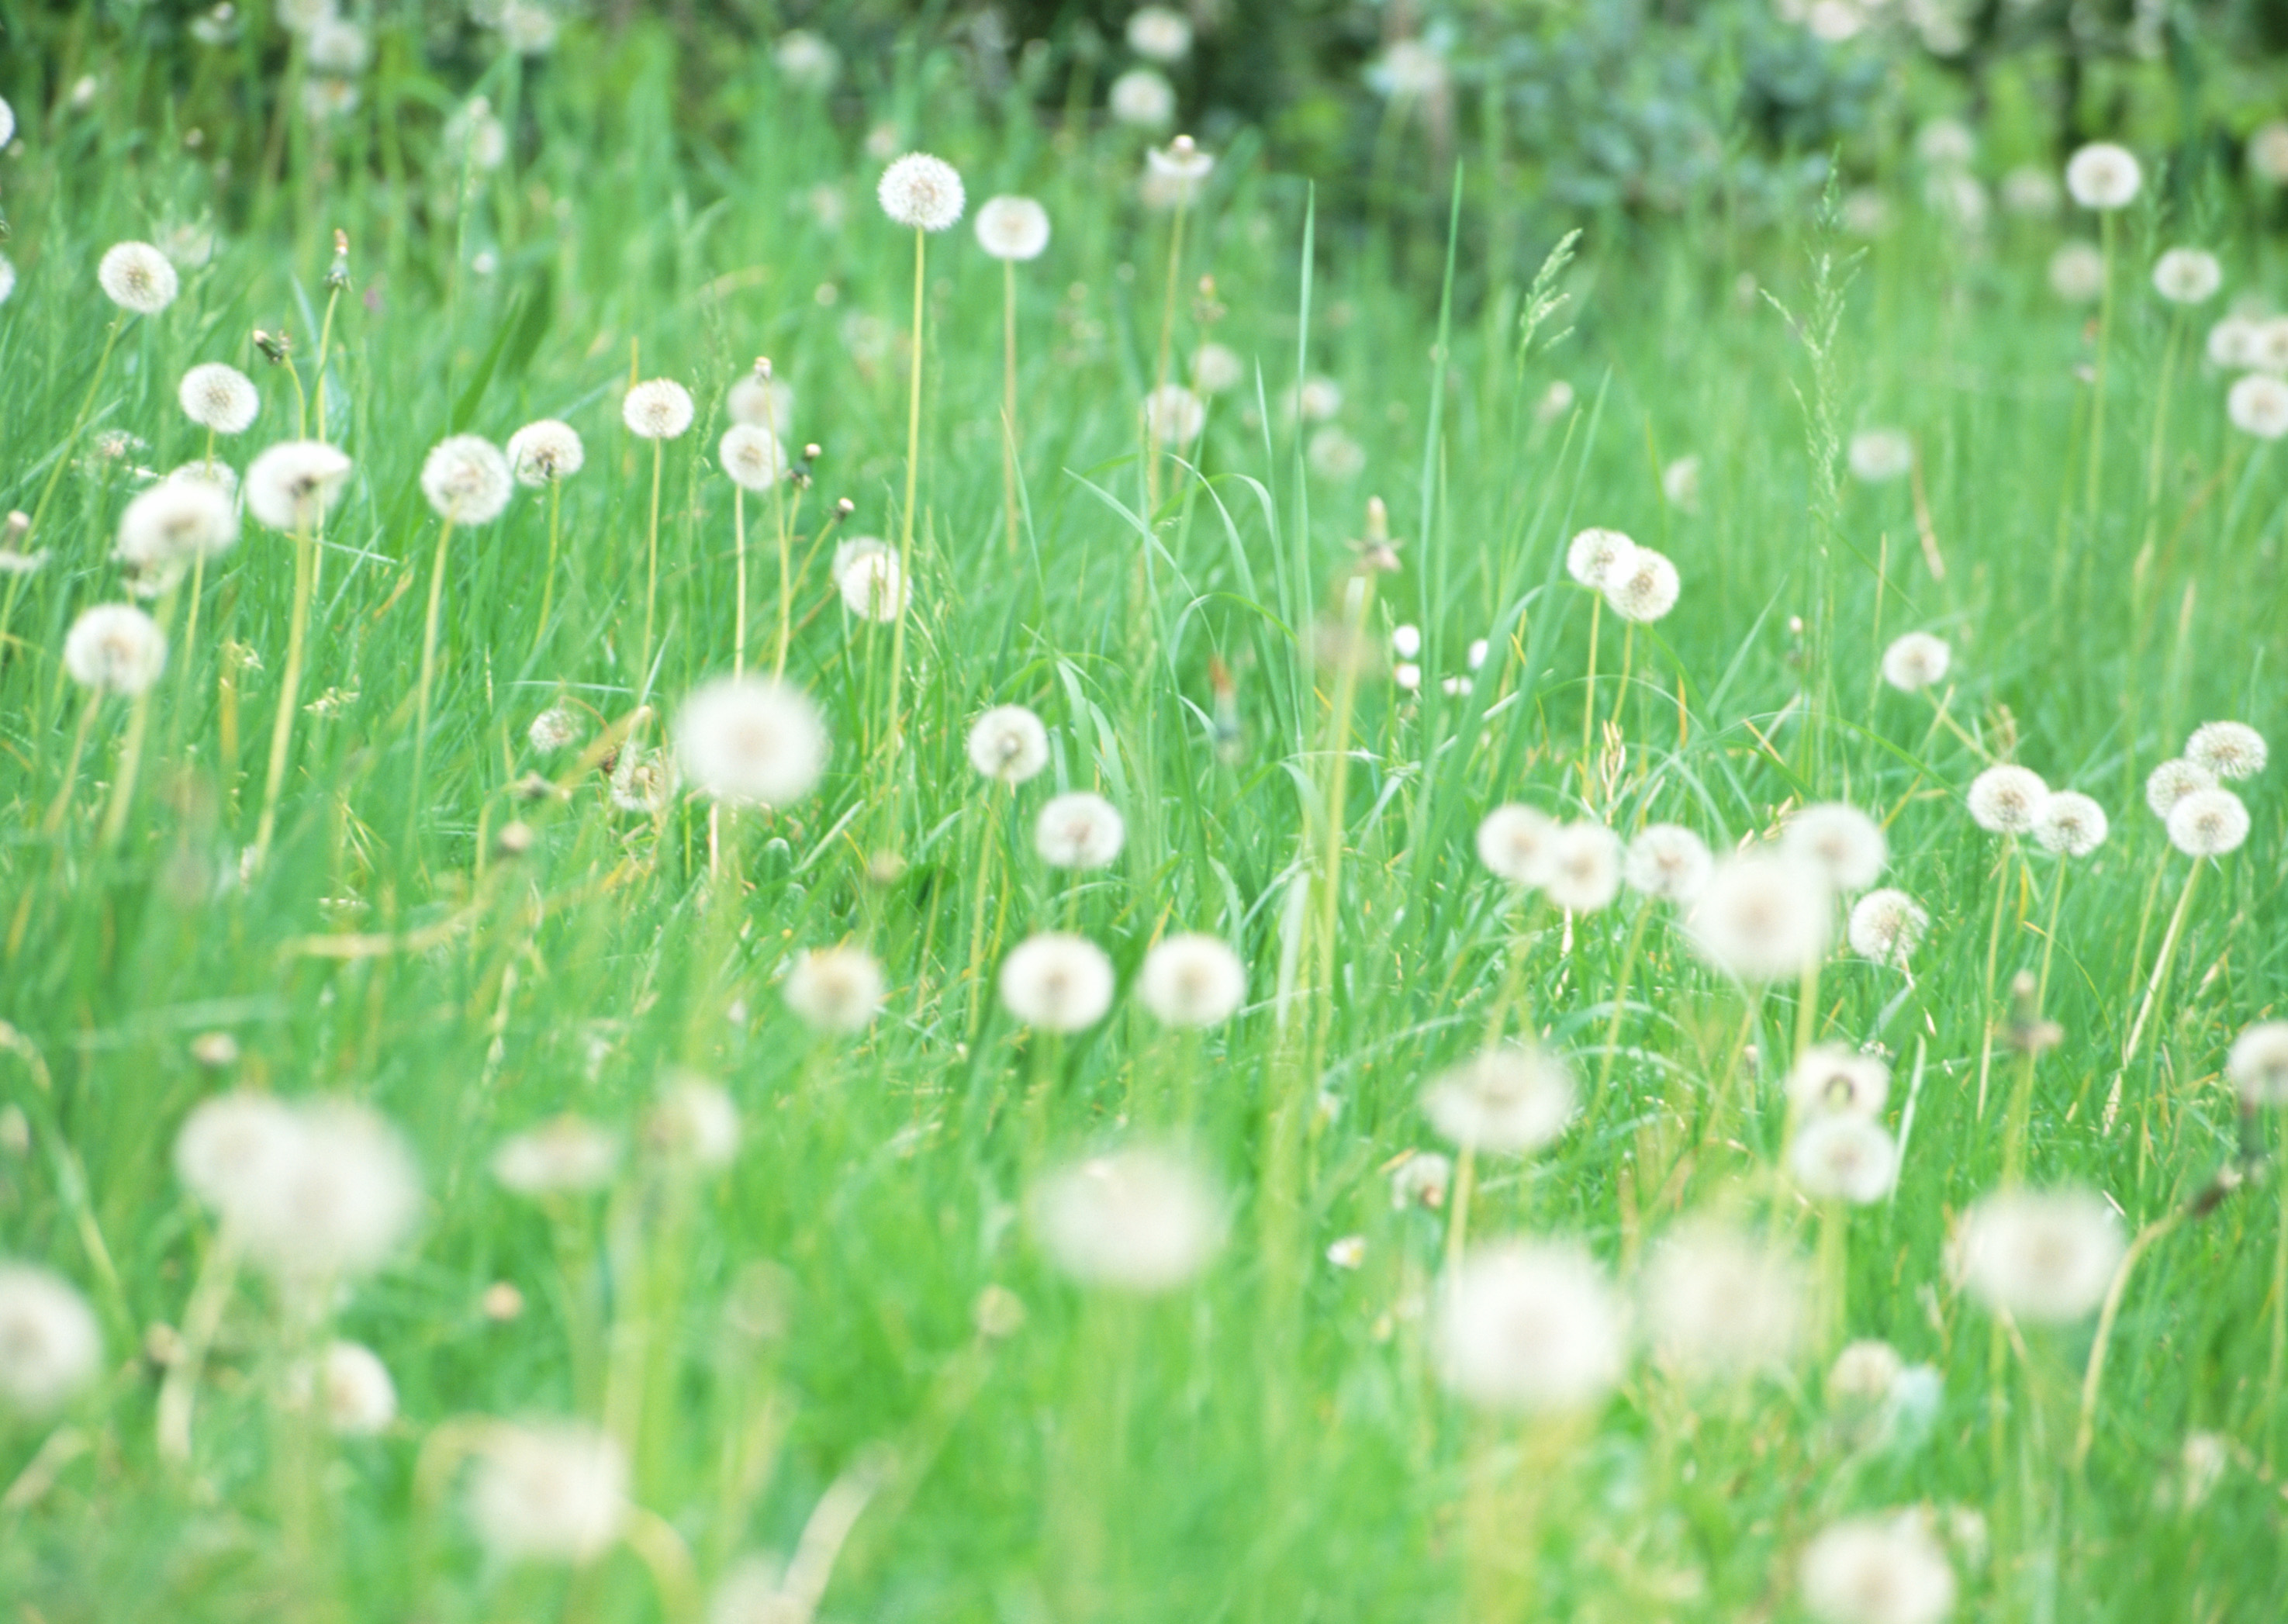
(1762, 917)
(2258, 405)
(1530, 1325)
(2236, 342)
(115, 648)
(49, 1345)
(1886, 926)
(1595, 557)
(2103, 176)
(541, 453)
(294, 484)
(1192, 980)
(2229, 750)
(1864, 1372)
(2208, 823)
(2187, 276)
(137, 278)
(2043, 1255)
(553, 729)
(751, 742)
(1057, 981)
(2172, 782)
(693, 1127)
(1880, 456)
(2077, 272)
(1406, 641)
(329, 1193)
(356, 1395)
(551, 1491)
(806, 60)
(1844, 1157)
(2258, 1064)
(835, 989)
(220, 397)
(1513, 844)
(872, 586)
(2070, 824)
(1159, 33)
(921, 192)
(1645, 589)
(1832, 1081)
(1668, 861)
(659, 408)
(1012, 228)
(1173, 415)
(1720, 1303)
(1216, 368)
(2007, 799)
(1136, 1220)
(1513, 1098)
(752, 456)
(565, 1155)
(1583, 870)
(231, 1141)
(466, 479)
(1009, 743)
(1876, 1571)
(1846, 844)
(1143, 100)
(167, 527)
(1078, 830)
(766, 403)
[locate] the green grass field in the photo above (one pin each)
(846, 1354)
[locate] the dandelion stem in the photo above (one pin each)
(739, 619)
(651, 573)
(54, 821)
(131, 761)
(201, 1318)
(1458, 1218)
(1160, 366)
(2094, 1374)
(2160, 980)
(1009, 399)
(2097, 387)
(64, 452)
(1589, 694)
(892, 740)
(548, 580)
(1621, 1002)
(290, 684)
(187, 689)
(428, 677)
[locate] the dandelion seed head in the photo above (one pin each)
(137, 278)
(220, 397)
(167, 527)
(2187, 276)
(1583, 872)
(551, 1491)
(2045, 1255)
(1514, 843)
(2172, 782)
(1173, 415)
(1334, 455)
(327, 1193)
(1008, 743)
(1832, 1081)
(1844, 1157)
(294, 484)
(1679, 484)
(355, 1396)
(2258, 1065)
(7, 122)
(2235, 343)
(873, 587)
(1876, 1571)
(766, 402)
(2102, 176)
(1057, 981)
(1078, 830)
(553, 729)
(1421, 1180)
(1847, 844)
(1215, 369)
(1138, 1220)
(1012, 228)
(921, 193)
(545, 452)
(2268, 152)
(1864, 1372)
(1878, 457)
(1885, 927)
(1644, 589)
(1317, 399)
(2208, 823)
(2258, 405)
(1406, 641)
(836, 989)
(751, 742)
(1595, 558)
(1511, 1099)
(752, 456)
(114, 648)
(2229, 750)
(1720, 1303)
(1142, 99)
(2008, 799)
(466, 479)
(336, 45)
(1159, 34)
(1530, 1326)
(7, 278)
(806, 60)
(2070, 824)
(565, 1155)
(1668, 861)
(658, 409)
(1762, 916)
(1191, 980)
(50, 1345)
(692, 1128)
(2077, 272)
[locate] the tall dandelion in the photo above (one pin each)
(544, 455)
(1184, 168)
(467, 482)
(751, 456)
(658, 411)
(1011, 229)
(2106, 179)
(290, 487)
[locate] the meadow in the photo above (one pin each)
(1298, 923)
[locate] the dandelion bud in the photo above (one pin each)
(2007, 800)
(1595, 558)
(2046, 1256)
(2257, 1066)
(1137, 1220)
(49, 1345)
(1916, 661)
(1142, 99)
(2208, 823)
(568, 1155)
(115, 648)
(1846, 844)
(554, 1491)
(275, 347)
(1514, 843)
(1847, 1158)
(1870, 1570)
(1012, 228)
(2229, 750)
(2258, 405)
(1878, 457)
(1834, 1081)
(542, 453)
(1582, 871)
(1057, 981)
(1009, 743)
(2103, 176)
(2172, 782)
(1762, 917)
(1515, 1099)
(220, 397)
(751, 456)
(1159, 34)
(1645, 589)
(835, 989)
(1173, 416)
(1192, 980)
(466, 479)
(1080, 830)
(920, 191)
(137, 278)
(1530, 1326)
(658, 409)
(294, 485)
(1721, 1304)
(751, 742)
(2187, 276)
(1885, 927)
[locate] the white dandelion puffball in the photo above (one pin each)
(2187, 276)
(694, 1126)
(2007, 799)
(658, 409)
(1080, 830)
(1159, 34)
(1762, 916)
(1420, 1180)
(354, 1394)
(1334, 455)
(553, 729)
(1513, 844)
(751, 742)
(220, 397)
(2268, 152)
(1679, 484)
(1846, 844)
(542, 453)
(1645, 589)
(137, 278)
(168, 526)
(1885, 927)
(1880, 456)
(1057, 981)
(1191, 980)
(549, 1491)
(752, 456)
(1720, 1303)
(49, 1345)
(1137, 1220)
(2258, 405)
(2070, 824)
(1406, 640)
(2103, 176)
(294, 484)
(2077, 272)
(1142, 99)
(1173, 415)
(1216, 368)
(1408, 70)
(222, 476)
(230, 1142)
(7, 121)
(836, 989)
(336, 46)
(2046, 1255)
(921, 192)
(2235, 343)
(1864, 1372)
(1583, 872)
(1009, 744)
(466, 479)
(325, 1193)
(1668, 861)
(7, 278)
(806, 59)
(1595, 557)
(1515, 1099)
(2258, 1065)
(1530, 1326)
(873, 587)
(1867, 1570)
(2229, 750)
(2172, 782)
(1012, 228)
(567, 1155)
(115, 648)
(1843, 1158)
(1315, 400)
(1831, 1080)
(1173, 174)
(2208, 823)
(766, 403)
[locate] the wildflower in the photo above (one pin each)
(2045, 1255)
(1192, 980)
(1142, 99)
(751, 742)
(2077, 272)
(1515, 842)
(2187, 276)
(1834, 1081)
(1215, 368)
(220, 397)
(2007, 799)
(872, 586)
(1009, 743)
(1864, 1372)
(1530, 1325)
(2229, 750)
(1078, 830)
(1584, 868)
(1668, 861)
(552, 1492)
(806, 60)
(1762, 917)
(1868, 1570)
(2208, 823)
(1420, 1180)
(553, 729)
(1880, 456)
(1175, 174)
(763, 401)
(1136, 1220)
(1645, 589)
(1720, 1303)
(354, 1393)
(2172, 782)
(294, 484)
(2070, 824)
(658, 409)
(49, 1345)
(1057, 981)
(752, 456)
(835, 989)
(2258, 1065)
(2258, 405)
(316, 1193)
(1595, 558)
(1844, 1157)
(115, 648)
(169, 525)
(466, 479)
(1173, 415)
(137, 278)
(921, 192)
(2103, 176)
(1886, 926)
(1012, 228)
(692, 1128)
(545, 452)
(1846, 844)
(567, 1155)
(1515, 1099)
(1159, 33)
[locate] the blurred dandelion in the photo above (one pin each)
(1846, 844)
(1829, 1081)
(50, 1345)
(551, 1491)
(1192, 980)
(836, 989)
(1762, 917)
(1844, 1157)
(1720, 1304)
(2040, 1255)
(1530, 1326)
(2187, 276)
(1668, 862)
(1876, 1571)
(565, 1155)
(751, 742)
(1078, 830)
(1057, 981)
(2103, 177)
(2007, 799)
(2229, 750)
(1136, 1220)
(1885, 927)
(1009, 744)
(219, 397)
